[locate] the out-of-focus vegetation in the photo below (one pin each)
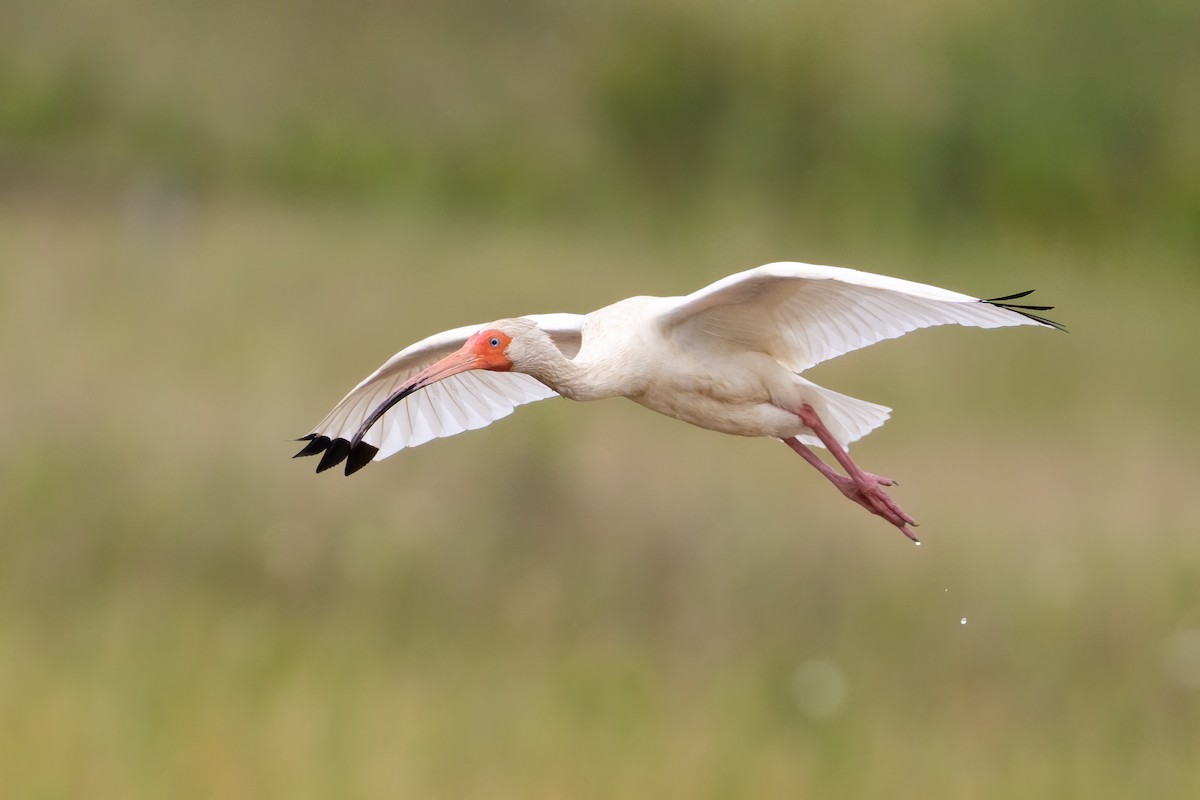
(216, 217)
(1053, 117)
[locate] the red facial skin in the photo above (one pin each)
(488, 349)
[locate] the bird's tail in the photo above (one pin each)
(848, 418)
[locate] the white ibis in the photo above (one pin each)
(727, 357)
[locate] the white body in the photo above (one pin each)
(709, 381)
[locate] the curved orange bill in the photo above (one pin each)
(458, 361)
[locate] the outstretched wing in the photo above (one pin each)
(459, 403)
(802, 314)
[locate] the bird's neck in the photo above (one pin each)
(564, 376)
(575, 378)
(569, 377)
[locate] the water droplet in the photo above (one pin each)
(962, 621)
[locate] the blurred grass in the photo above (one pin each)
(215, 219)
(1063, 118)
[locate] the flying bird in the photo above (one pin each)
(728, 357)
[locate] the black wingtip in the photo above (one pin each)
(316, 444)
(1017, 296)
(337, 452)
(361, 454)
(1025, 310)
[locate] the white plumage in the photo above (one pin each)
(726, 357)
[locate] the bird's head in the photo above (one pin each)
(510, 344)
(487, 349)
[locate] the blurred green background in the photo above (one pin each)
(217, 217)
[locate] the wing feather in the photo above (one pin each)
(803, 314)
(462, 402)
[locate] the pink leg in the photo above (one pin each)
(862, 487)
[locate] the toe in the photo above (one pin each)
(880, 502)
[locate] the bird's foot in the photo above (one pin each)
(869, 494)
(864, 488)
(882, 481)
